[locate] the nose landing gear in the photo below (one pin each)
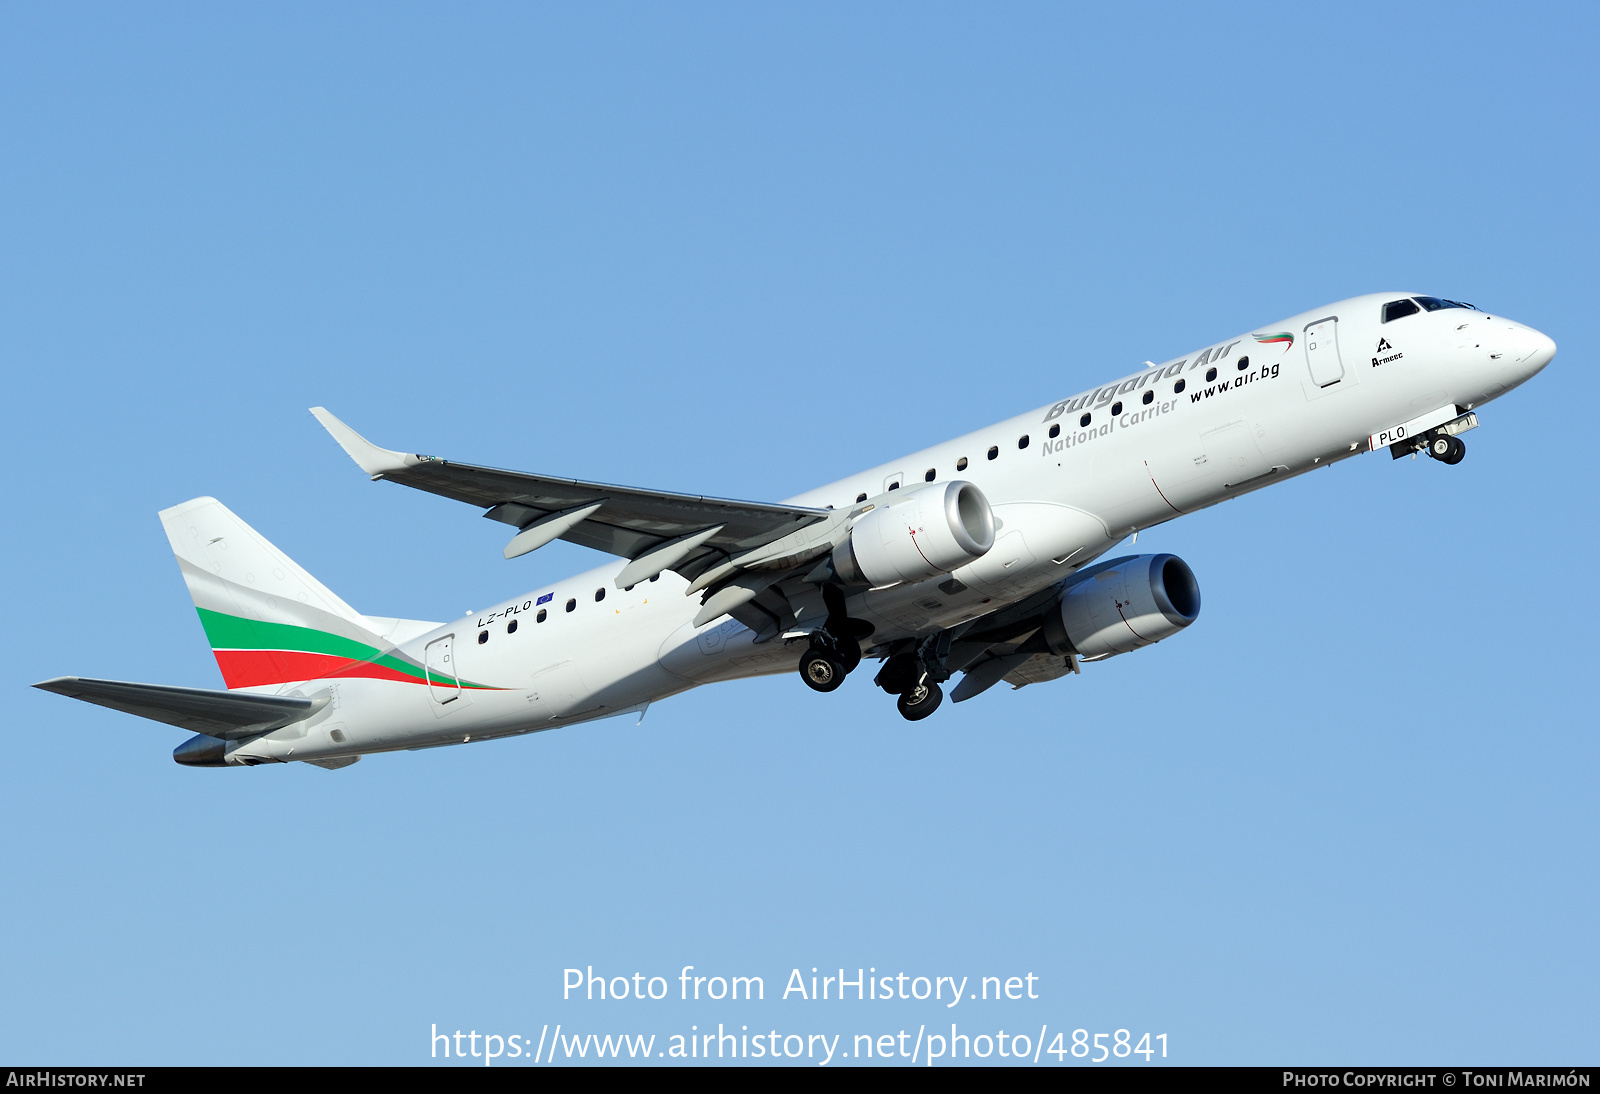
(1446, 449)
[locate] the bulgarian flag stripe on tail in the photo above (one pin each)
(252, 653)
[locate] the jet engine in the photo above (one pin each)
(917, 533)
(1132, 602)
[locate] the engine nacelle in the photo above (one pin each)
(1129, 604)
(917, 533)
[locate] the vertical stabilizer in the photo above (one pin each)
(269, 622)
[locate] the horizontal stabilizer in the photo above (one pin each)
(228, 715)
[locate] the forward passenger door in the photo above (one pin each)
(1322, 351)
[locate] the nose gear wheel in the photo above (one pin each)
(1446, 449)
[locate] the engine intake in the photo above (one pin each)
(917, 533)
(1133, 602)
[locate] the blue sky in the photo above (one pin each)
(744, 250)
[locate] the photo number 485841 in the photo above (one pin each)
(1097, 1049)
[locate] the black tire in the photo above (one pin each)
(898, 673)
(849, 654)
(1458, 451)
(821, 671)
(1441, 447)
(921, 701)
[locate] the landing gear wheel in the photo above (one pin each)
(820, 670)
(919, 702)
(898, 674)
(849, 654)
(1446, 449)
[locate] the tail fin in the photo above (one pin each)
(269, 622)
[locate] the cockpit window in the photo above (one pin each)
(1398, 309)
(1433, 303)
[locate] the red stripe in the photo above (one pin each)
(253, 668)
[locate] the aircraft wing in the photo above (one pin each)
(228, 715)
(690, 534)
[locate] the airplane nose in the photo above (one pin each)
(1543, 350)
(1528, 350)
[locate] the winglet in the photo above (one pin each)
(375, 461)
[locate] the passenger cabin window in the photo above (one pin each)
(961, 464)
(572, 605)
(483, 636)
(1116, 408)
(929, 474)
(1177, 388)
(1398, 309)
(1244, 363)
(599, 595)
(994, 452)
(1211, 374)
(1149, 397)
(540, 618)
(894, 486)
(861, 497)
(511, 627)
(1083, 422)
(1055, 431)
(1022, 441)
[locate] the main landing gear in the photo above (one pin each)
(914, 676)
(922, 700)
(835, 650)
(825, 665)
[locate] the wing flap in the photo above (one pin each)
(1041, 668)
(228, 715)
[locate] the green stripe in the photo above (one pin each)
(230, 632)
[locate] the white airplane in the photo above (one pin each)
(975, 556)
